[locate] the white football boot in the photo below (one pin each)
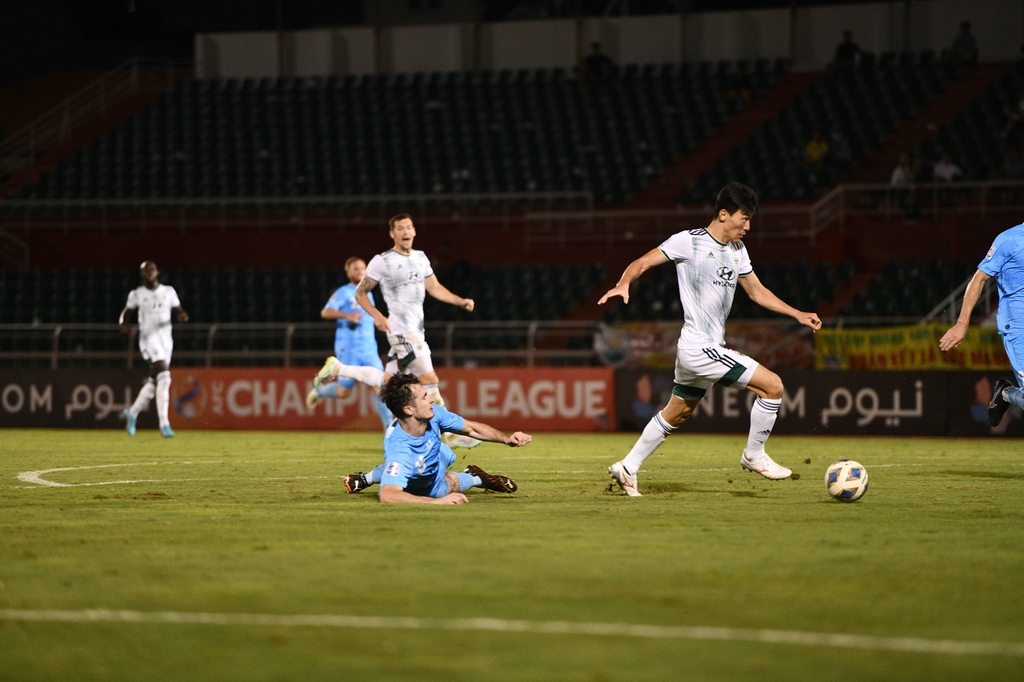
(765, 466)
(626, 480)
(312, 398)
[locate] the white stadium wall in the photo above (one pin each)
(711, 36)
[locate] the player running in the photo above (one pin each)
(709, 262)
(1004, 261)
(415, 468)
(405, 277)
(153, 302)
(354, 340)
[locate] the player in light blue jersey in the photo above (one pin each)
(1005, 262)
(415, 468)
(354, 341)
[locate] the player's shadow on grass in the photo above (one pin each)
(683, 488)
(983, 474)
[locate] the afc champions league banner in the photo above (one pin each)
(509, 399)
(538, 399)
(940, 403)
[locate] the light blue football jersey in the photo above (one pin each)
(353, 337)
(413, 463)
(1005, 261)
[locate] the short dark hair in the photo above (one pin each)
(396, 393)
(395, 219)
(736, 197)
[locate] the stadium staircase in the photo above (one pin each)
(90, 112)
(913, 132)
(664, 191)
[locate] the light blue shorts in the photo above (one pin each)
(1014, 346)
(447, 458)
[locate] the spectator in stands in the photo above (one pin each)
(816, 151)
(839, 150)
(947, 171)
(902, 174)
(965, 46)
(847, 52)
(1014, 117)
(598, 64)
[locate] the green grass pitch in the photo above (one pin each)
(226, 522)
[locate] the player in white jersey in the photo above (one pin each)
(154, 303)
(709, 263)
(405, 278)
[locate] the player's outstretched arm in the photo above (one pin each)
(441, 293)
(180, 314)
(488, 433)
(379, 321)
(652, 258)
(394, 494)
(760, 295)
(955, 334)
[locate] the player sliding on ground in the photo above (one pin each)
(154, 303)
(415, 468)
(709, 261)
(405, 278)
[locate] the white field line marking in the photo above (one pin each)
(37, 476)
(846, 641)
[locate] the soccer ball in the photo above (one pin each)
(846, 480)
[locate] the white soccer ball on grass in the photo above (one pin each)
(846, 480)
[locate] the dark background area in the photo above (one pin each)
(39, 36)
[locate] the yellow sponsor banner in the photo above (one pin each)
(907, 348)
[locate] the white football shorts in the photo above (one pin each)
(409, 354)
(698, 369)
(154, 348)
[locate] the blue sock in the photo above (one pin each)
(466, 482)
(328, 390)
(374, 476)
(384, 412)
(1016, 396)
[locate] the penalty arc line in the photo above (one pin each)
(797, 637)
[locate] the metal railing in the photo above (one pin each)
(549, 224)
(290, 344)
(13, 251)
(341, 212)
(949, 309)
(25, 146)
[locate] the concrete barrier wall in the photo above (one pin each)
(809, 36)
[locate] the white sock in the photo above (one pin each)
(653, 436)
(762, 419)
(434, 392)
(366, 375)
(163, 397)
(146, 394)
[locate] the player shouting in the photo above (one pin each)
(405, 277)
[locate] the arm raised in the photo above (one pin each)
(488, 433)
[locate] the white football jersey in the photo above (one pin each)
(708, 272)
(154, 306)
(402, 281)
